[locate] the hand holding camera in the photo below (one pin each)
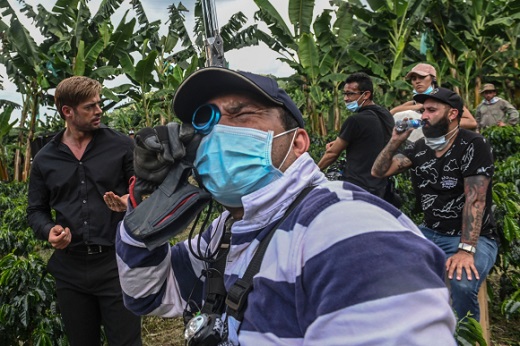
(156, 151)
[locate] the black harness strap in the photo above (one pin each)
(216, 291)
(237, 296)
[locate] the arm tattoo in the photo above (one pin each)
(475, 189)
(403, 163)
(383, 163)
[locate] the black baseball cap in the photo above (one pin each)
(209, 82)
(443, 95)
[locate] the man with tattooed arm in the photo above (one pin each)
(452, 170)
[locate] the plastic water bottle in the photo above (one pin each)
(403, 125)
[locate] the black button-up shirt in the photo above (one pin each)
(74, 188)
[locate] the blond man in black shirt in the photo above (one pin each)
(71, 176)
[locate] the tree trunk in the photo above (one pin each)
(323, 128)
(337, 112)
(4, 176)
(18, 159)
(478, 86)
(30, 136)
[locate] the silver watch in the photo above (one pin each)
(467, 248)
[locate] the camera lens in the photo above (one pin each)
(205, 117)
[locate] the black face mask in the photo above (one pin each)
(439, 129)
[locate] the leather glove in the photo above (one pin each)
(140, 190)
(159, 147)
(156, 151)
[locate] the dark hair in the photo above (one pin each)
(364, 82)
(287, 119)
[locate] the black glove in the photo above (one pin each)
(156, 151)
(169, 210)
(158, 148)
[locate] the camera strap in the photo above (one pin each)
(216, 291)
(236, 300)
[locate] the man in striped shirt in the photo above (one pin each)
(343, 268)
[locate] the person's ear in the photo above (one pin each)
(301, 142)
(67, 110)
(453, 114)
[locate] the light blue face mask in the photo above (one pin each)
(439, 143)
(235, 161)
(353, 106)
(426, 92)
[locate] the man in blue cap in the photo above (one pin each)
(341, 264)
(452, 170)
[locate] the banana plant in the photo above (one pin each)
(387, 29)
(475, 32)
(175, 55)
(6, 108)
(317, 51)
(21, 56)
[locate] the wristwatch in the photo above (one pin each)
(467, 248)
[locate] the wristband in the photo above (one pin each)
(468, 248)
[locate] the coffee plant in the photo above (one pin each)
(28, 313)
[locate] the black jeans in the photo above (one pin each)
(89, 295)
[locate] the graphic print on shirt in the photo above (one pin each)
(453, 165)
(468, 157)
(428, 174)
(449, 182)
(487, 171)
(427, 201)
(451, 210)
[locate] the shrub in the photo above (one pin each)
(27, 303)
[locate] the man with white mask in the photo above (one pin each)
(423, 78)
(340, 266)
(452, 170)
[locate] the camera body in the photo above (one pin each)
(204, 330)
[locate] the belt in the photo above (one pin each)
(89, 249)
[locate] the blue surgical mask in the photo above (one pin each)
(353, 106)
(439, 143)
(235, 161)
(426, 92)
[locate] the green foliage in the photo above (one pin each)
(318, 143)
(511, 306)
(469, 332)
(504, 140)
(27, 292)
(410, 207)
(27, 302)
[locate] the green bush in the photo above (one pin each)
(27, 292)
(505, 140)
(27, 303)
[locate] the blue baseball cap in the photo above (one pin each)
(209, 82)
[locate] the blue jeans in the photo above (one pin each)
(464, 293)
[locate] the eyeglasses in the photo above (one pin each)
(205, 117)
(352, 93)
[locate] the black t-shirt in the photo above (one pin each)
(440, 180)
(366, 134)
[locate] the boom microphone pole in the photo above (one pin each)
(213, 44)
